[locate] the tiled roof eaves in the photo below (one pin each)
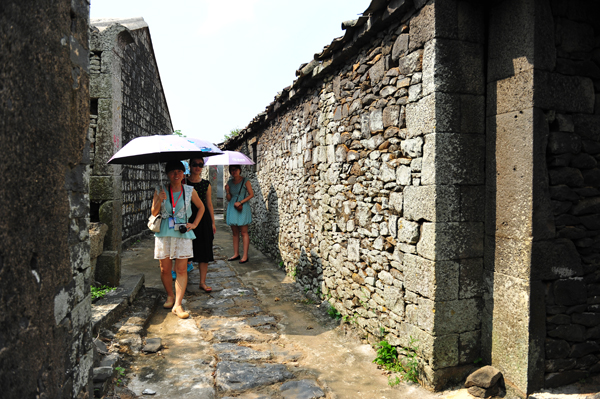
(342, 48)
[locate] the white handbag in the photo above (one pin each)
(154, 223)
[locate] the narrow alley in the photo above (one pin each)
(255, 336)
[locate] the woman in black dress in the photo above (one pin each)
(205, 232)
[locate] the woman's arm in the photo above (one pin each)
(248, 197)
(250, 192)
(228, 193)
(157, 201)
(209, 205)
(198, 202)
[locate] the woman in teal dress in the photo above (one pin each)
(174, 240)
(239, 216)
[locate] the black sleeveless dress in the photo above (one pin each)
(203, 244)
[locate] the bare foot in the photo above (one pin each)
(182, 314)
(205, 287)
(169, 303)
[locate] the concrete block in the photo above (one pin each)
(111, 214)
(108, 140)
(469, 347)
(472, 203)
(97, 233)
(434, 20)
(517, 173)
(514, 327)
(445, 351)
(453, 66)
(437, 112)
(471, 22)
(470, 278)
(453, 159)
(441, 378)
(541, 89)
(451, 240)
(108, 268)
(457, 316)
(511, 257)
(432, 203)
(101, 85)
(437, 281)
(103, 188)
(521, 35)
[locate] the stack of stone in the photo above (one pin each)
(485, 382)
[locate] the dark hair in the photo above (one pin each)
(235, 167)
(174, 165)
(200, 158)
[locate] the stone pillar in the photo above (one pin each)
(106, 87)
(519, 221)
(447, 268)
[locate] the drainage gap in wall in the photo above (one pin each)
(93, 106)
(95, 211)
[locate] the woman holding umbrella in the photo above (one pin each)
(239, 216)
(174, 241)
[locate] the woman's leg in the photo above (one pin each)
(236, 241)
(167, 280)
(181, 282)
(203, 272)
(246, 241)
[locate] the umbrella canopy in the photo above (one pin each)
(229, 158)
(156, 149)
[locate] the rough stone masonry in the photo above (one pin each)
(126, 101)
(45, 275)
(433, 174)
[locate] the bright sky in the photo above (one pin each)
(222, 62)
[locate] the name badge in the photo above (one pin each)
(171, 223)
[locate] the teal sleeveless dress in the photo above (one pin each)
(238, 192)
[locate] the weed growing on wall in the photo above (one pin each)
(408, 367)
(333, 313)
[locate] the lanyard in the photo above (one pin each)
(173, 202)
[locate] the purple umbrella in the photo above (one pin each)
(229, 158)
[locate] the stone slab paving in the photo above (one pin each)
(255, 336)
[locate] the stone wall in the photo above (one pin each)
(45, 301)
(573, 294)
(370, 186)
(127, 101)
(432, 173)
(145, 112)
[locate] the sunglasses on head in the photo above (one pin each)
(200, 165)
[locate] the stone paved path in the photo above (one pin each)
(255, 336)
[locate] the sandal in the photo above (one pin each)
(179, 312)
(205, 287)
(169, 303)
